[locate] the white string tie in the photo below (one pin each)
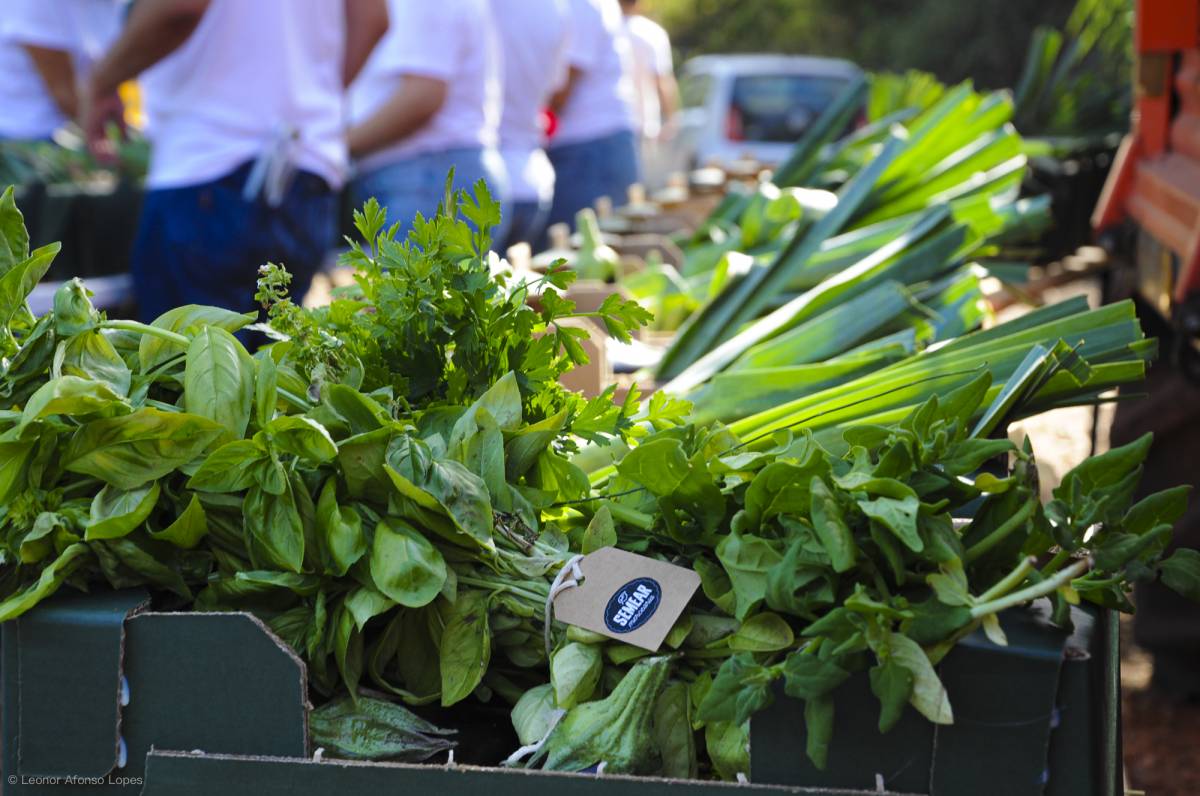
(561, 583)
(533, 748)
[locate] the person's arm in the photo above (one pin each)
(366, 22)
(154, 30)
(58, 73)
(412, 106)
(668, 102)
(558, 100)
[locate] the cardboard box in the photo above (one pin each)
(217, 705)
(1038, 717)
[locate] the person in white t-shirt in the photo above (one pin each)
(428, 101)
(46, 49)
(533, 35)
(245, 117)
(657, 93)
(593, 150)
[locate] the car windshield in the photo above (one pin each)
(778, 108)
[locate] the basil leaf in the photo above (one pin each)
(116, 512)
(574, 673)
(302, 437)
(154, 350)
(188, 528)
(266, 389)
(130, 450)
(218, 380)
(275, 528)
(230, 468)
(466, 647)
(404, 565)
(340, 532)
(47, 583)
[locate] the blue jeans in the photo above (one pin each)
(203, 244)
(418, 184)
(527, 222)
(585, 171)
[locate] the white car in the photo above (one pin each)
(752, 106)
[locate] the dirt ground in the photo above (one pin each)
(1161, 737)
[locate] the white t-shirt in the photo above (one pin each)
(533, 37)
(449, 40)
(651, 60)
(81, 28)
(252, 75)
(601, 102)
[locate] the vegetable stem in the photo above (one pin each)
(1009, 581)
(1007, 527)
(144, 328)
(1040, 589)
(638, 519)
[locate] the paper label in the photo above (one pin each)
(628, 597)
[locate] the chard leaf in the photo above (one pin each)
(806, 676)
(818, 726)
(929, 695)
(898, 516)
(741, 688)
(673, 734)
(600, 532)
(892, 684)
(1181, 573)
(763, 632)
(747, 561)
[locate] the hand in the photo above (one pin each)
(96, 111)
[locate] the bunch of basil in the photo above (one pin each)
(368, 477)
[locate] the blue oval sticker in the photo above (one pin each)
(632, 605)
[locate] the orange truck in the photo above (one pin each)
(1153, 189)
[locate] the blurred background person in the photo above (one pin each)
(46, 49)
(594, 151)
(245, 107)
(428, 100)
(533, 37)
(656, 94)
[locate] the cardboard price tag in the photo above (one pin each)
(627, 597)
